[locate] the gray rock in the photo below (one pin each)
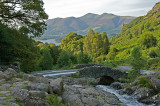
(88, 96)
(22, 94)
(9, 74)
(38, 87)
(117, 85)
(143, 93)
(156, 83)
(38, 79)
(5, 87)
(57, 85)
(37, 94)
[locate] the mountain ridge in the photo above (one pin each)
(110, 23)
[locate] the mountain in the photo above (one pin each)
(137, 31)
(149, 23)
(110, 23)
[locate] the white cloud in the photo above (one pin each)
(67, 8)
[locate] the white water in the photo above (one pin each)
(125, 99)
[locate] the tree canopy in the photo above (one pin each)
(27, 15)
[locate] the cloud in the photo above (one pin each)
(67, 8)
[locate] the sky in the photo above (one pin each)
(77, 8)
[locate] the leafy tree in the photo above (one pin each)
(136, 58)
(91, 32)
(83, 58)
(72, 43)
(29, 14)
(54, 50)
(96, 44)
(64, 59)
(6, 44)
(147, 41)
(112, 53)
(46, 61)
(26, 52)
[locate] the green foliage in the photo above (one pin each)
(54, 101)
(147, 41)
(83, 58)
(54, 51)
(153, 53)
(27, 14)
(64, 59)
(72, 43)
(96, 44)
(6, 44)
(143, 82)
(112, 54)
(46, 60)
(132, 75)
(137, 62)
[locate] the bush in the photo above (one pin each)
(153, 53)
(64, 59)
(54, 101)
(83, 58)
(147, 41)
(143, 82)
(132, 75)
(136, 60)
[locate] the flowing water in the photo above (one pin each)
(125, 99)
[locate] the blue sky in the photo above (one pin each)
(77, 8)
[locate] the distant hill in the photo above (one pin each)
(110, 23)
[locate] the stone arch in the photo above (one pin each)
(106, 80)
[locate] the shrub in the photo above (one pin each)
(143, 82)
(54, 101)
(64, 59)
(136, 60)
(132, 75)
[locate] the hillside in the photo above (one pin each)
(110, 23)
(137, 29)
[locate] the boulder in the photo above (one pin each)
(38, 79)
(9, 74)
(156, 83)
(117, 85)
(38, 87)
(37, 94)
(143, 93)
(57, 85)
(88, 96)
(22, 94)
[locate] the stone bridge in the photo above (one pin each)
(103, 72)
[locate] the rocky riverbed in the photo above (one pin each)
(20, 89)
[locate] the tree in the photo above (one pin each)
(6, 44)
(64, 59)
(137, 61)
(27, 14)
(46, 61)
(112, 53)
(147, 41)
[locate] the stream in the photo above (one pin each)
(125, 99)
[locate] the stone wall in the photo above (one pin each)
(101, 71)
(86, 65)
(15, 66)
